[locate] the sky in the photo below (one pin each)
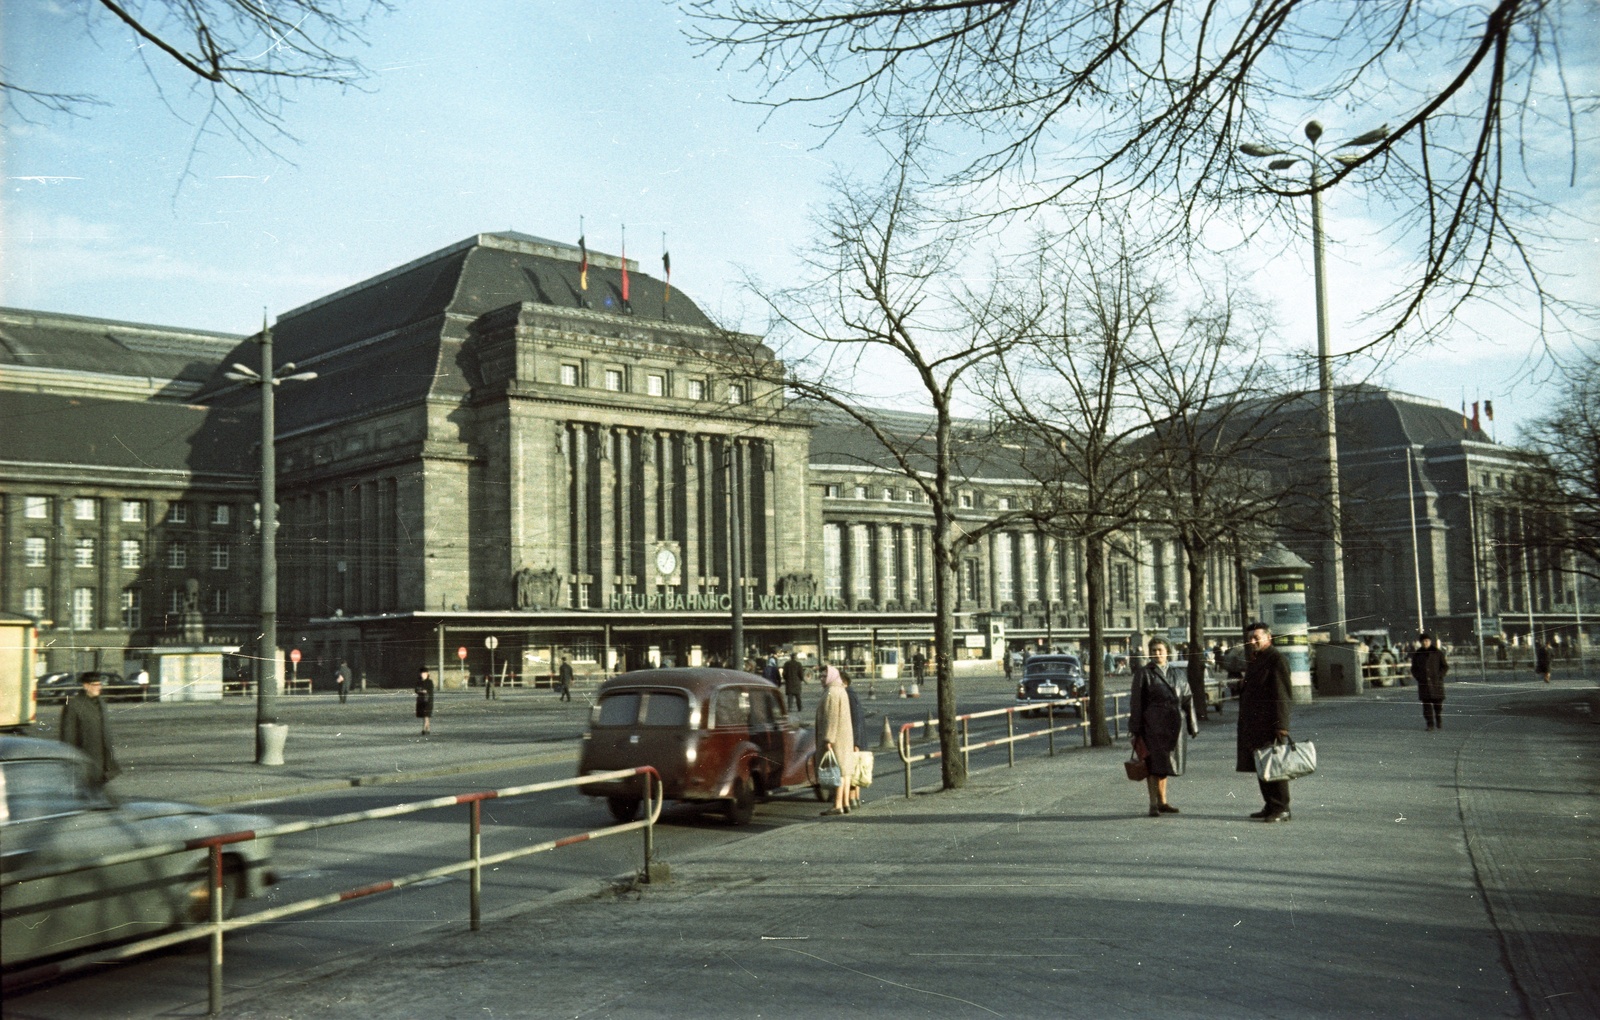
(523, 115)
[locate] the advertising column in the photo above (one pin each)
(1281, 580)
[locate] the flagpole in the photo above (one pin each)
(1477, 582)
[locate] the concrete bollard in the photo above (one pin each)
(886, 742)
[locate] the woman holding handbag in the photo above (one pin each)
(1161, 718)
(836, 737)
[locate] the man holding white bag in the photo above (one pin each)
(1264, 702)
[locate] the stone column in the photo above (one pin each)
(1281, 580)
(606, 498)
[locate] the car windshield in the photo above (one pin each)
(642, 708)
(1051, 667)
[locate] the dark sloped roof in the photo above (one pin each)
(45, 428)
(839, 440)
(476, 276)
(78, 343)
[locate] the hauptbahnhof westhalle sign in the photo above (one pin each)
(669, 603)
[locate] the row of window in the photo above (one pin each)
(656, 384)
(85, 508)
(218, 600)
(36, 553)
(966, 499)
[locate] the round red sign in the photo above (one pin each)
(461, 653)
(294, 656)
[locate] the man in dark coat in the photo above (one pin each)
(343, 678)
(83, 725)
(1541, 660)
(564, 679)
(794, 675)
(1264, 716)
(1428, 667)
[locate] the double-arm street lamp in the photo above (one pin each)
(1333, 544)
(268, 752)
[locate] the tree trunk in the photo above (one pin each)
(1094, 578)
(1197, 631)
(953, 767)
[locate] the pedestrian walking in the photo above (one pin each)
(1428, 667)
(342, 679)
(564, 679)
(919, 667)
(1161, 719)
(1541, 660)
(834, 733)
(424, 692)
(858, 730)
(1263, 716)
(794, 677)
(83, 725)
(771, 672)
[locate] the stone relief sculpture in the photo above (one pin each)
(537, 589)
(802, 585)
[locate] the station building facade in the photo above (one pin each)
(504, 446)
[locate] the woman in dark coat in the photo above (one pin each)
(1428, 667)
(424, 691)
(1161, 720)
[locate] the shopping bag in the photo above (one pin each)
(863, 769)
(829, 774)
(1285, 760)
(1134, 766)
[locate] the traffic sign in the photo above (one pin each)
(461, 653)
(294, 656)
(491, 642)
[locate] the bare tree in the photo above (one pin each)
(887, 284)
(1565, 496)
(241, 54)
(1067, 392)
(1148, 103)
(1209, 461)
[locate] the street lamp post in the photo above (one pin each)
(267, 660)
(1333, 543)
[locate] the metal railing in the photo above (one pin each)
(217, 926)
(1114, 716)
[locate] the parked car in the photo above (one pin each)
(51, 816)
(56, 687)
(715, 735)
(1052, 677)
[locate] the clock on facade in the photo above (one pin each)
(666, 562)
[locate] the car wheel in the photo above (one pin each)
(232, 889)
(741, 807)
(623, 809)
(821, 794)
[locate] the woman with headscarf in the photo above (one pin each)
(1161, 718)
(834, 733)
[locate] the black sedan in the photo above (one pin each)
(58, 687)
(1052, 677)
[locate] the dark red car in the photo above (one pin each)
(715, 735)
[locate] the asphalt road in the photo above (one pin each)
(173, 983)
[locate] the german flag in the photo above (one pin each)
(666, 267)
(583, 264)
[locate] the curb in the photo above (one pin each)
(383, 779)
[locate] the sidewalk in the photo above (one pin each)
(1447, 874)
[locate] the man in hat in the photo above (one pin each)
(83, 725)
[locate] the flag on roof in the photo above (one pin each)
(1488, 409)
(583, 264)
(1466, 423)
(624, 268)
(1475, 426)
(666, 267)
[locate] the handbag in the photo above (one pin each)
(1135, 768)
(863, 769)
(829, 774)
(1285, 760)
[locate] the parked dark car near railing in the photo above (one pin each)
(715, 735)
(58, 687)
(1052, 677)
